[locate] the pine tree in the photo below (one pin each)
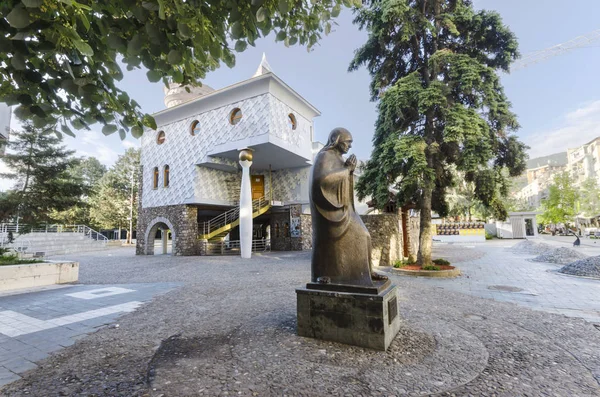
(41, 168)
(434, 67)
(89, 171)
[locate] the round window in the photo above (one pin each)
(292, 123)
(235, 116)
(160, 139)
(195, 128)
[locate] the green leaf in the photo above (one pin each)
(32, 3)
(149, 121)
(134, 47)
(261, 14)
(18, 61)
(237, 30)
(83, 47)
(150, 5)
(335, 11)
(122, 134)
(184, 30)
(67, 130)
(84, 21)
(154, 76)
(109, 129)
(293, 40)
(240, 46)
(77, 124)
(257, 3)
(175, 57)
(114, 41)
(284, 6)
(281, 35)
(137, 131)
(18, 18)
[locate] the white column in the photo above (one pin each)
(246, 205)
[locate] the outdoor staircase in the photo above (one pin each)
(53, 239)
(217, 228)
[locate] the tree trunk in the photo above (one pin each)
(425, 236)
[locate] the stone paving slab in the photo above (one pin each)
(534, 285)
(235, 319)
(39, 322)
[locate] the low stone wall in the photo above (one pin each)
(180, 219)
(386, 238)
(13, 277)
(281, 234)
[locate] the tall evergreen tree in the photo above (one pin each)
(434, 67)
(89, 171)
(44, 183)
(111, 205)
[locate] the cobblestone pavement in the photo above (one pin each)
(503, 275)
(229, 329)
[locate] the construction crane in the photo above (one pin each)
(538, 56)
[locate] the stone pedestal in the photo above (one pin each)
(365, 320)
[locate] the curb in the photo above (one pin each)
(428, 273)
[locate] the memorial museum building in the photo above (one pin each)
(191, 176)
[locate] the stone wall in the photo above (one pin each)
(306, 231)
(386, 238)
(281, 235)
(180, 219)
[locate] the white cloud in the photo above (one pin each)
(579, 127)
(130, 144)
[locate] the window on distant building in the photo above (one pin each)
(235, 116)
(160, 139)
(166, 176)
(155, 178)
(292, 123)
(195, 128)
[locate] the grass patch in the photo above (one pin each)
(430, 267)
(441, 262)
(403, 262)
(6, 260)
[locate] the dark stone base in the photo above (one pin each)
(364, 320)
(378, 287)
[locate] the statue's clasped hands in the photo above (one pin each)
(351, 163)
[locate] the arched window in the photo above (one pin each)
(160, 139)
(166, 176)
(292, 123)
(235, 116)
(195, 128)
(155, 178)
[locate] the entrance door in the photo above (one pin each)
(258, 186)
(529, 227)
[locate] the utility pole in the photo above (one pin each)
(129, 237)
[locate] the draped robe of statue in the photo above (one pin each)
(341, 241)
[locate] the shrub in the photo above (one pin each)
(399, 263)
(441, 262)
(14, 260)
(431, 267)
(488, 236)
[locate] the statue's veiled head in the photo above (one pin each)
(340, 139)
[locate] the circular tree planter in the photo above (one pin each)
(415, 270)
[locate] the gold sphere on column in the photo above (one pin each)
(246, 155)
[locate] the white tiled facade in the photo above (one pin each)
(190, 183)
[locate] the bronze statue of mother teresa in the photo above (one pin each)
(341, 257)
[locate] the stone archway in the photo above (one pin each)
(153, 226)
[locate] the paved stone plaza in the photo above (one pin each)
(226, 326)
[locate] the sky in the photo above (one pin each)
(557, 101)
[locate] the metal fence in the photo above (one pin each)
(17, 229)
(233, 247)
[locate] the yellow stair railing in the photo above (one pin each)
(218, 227)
